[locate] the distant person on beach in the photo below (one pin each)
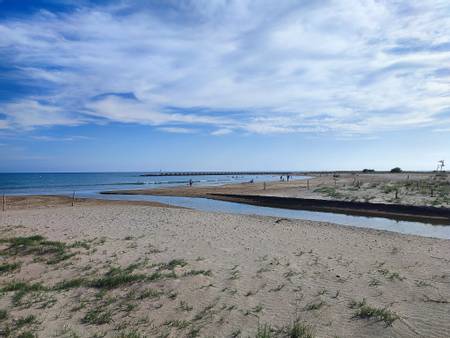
(190, 182)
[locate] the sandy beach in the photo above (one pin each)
(143, 271)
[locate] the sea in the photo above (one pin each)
(95, 182)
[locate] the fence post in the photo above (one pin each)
(3, 202)
(307, 184)
(73, 198)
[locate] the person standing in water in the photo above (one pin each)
(190, 182)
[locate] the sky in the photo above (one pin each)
(224, 85)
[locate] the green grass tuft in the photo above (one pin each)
(7, 267)
(380, 314)
(96, 316)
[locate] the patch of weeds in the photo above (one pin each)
(314, 306)
(329, 191)
(203, 313)
(277, 288)
(421, 283)
(70, 284)
(322, 292)
(288, 275)
(81, 244)
(265, 331)
(297, 330)
(374, 282)
(130, 334)
(148, 293)
(391, 275)
(116, 277)
(184, 306)
(172, 295)
(24, 321)
(193, 332)
(158, 275)
(27, 334)
(130, 307)
(172, 264)
(257, 309)
(21, 289)
(235, 333)
(39, 246)
(380, 314)
(96, 316)
(263, 269)
(354, 304)
(3, 314)
(198, 272)
(8, 267)
(179, 324)
(234, 275)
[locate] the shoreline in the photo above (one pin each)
(319, 194)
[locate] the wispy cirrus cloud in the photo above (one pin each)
(353, 67)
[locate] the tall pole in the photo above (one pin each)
(73, 198)
(3, 202)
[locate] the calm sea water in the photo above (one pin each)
(66, 183)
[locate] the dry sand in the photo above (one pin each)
(187, 273)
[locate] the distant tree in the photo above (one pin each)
(396, 170)
(368, 171)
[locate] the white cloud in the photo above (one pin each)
(348, 67)
(177, 130)
(222, 131)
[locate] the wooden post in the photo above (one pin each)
(264, 185)
(396, 193)
(73, 198)
(307, 184)
(3, 202)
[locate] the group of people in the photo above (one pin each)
(287, 178)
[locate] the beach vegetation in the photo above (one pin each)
(21, 289)
(184, 306)
(8, 267)
(70, 284)
(3, 314)
(198, 272)
(130, 334)
(171, 265)
(25, 321)
(53, 251)
(297, 330)
(26, 334)
(265, 331)
(314, 306)
(97, 316)
(380, 314)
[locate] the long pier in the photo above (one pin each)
(232, 173)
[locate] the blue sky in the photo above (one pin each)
(238, 85)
